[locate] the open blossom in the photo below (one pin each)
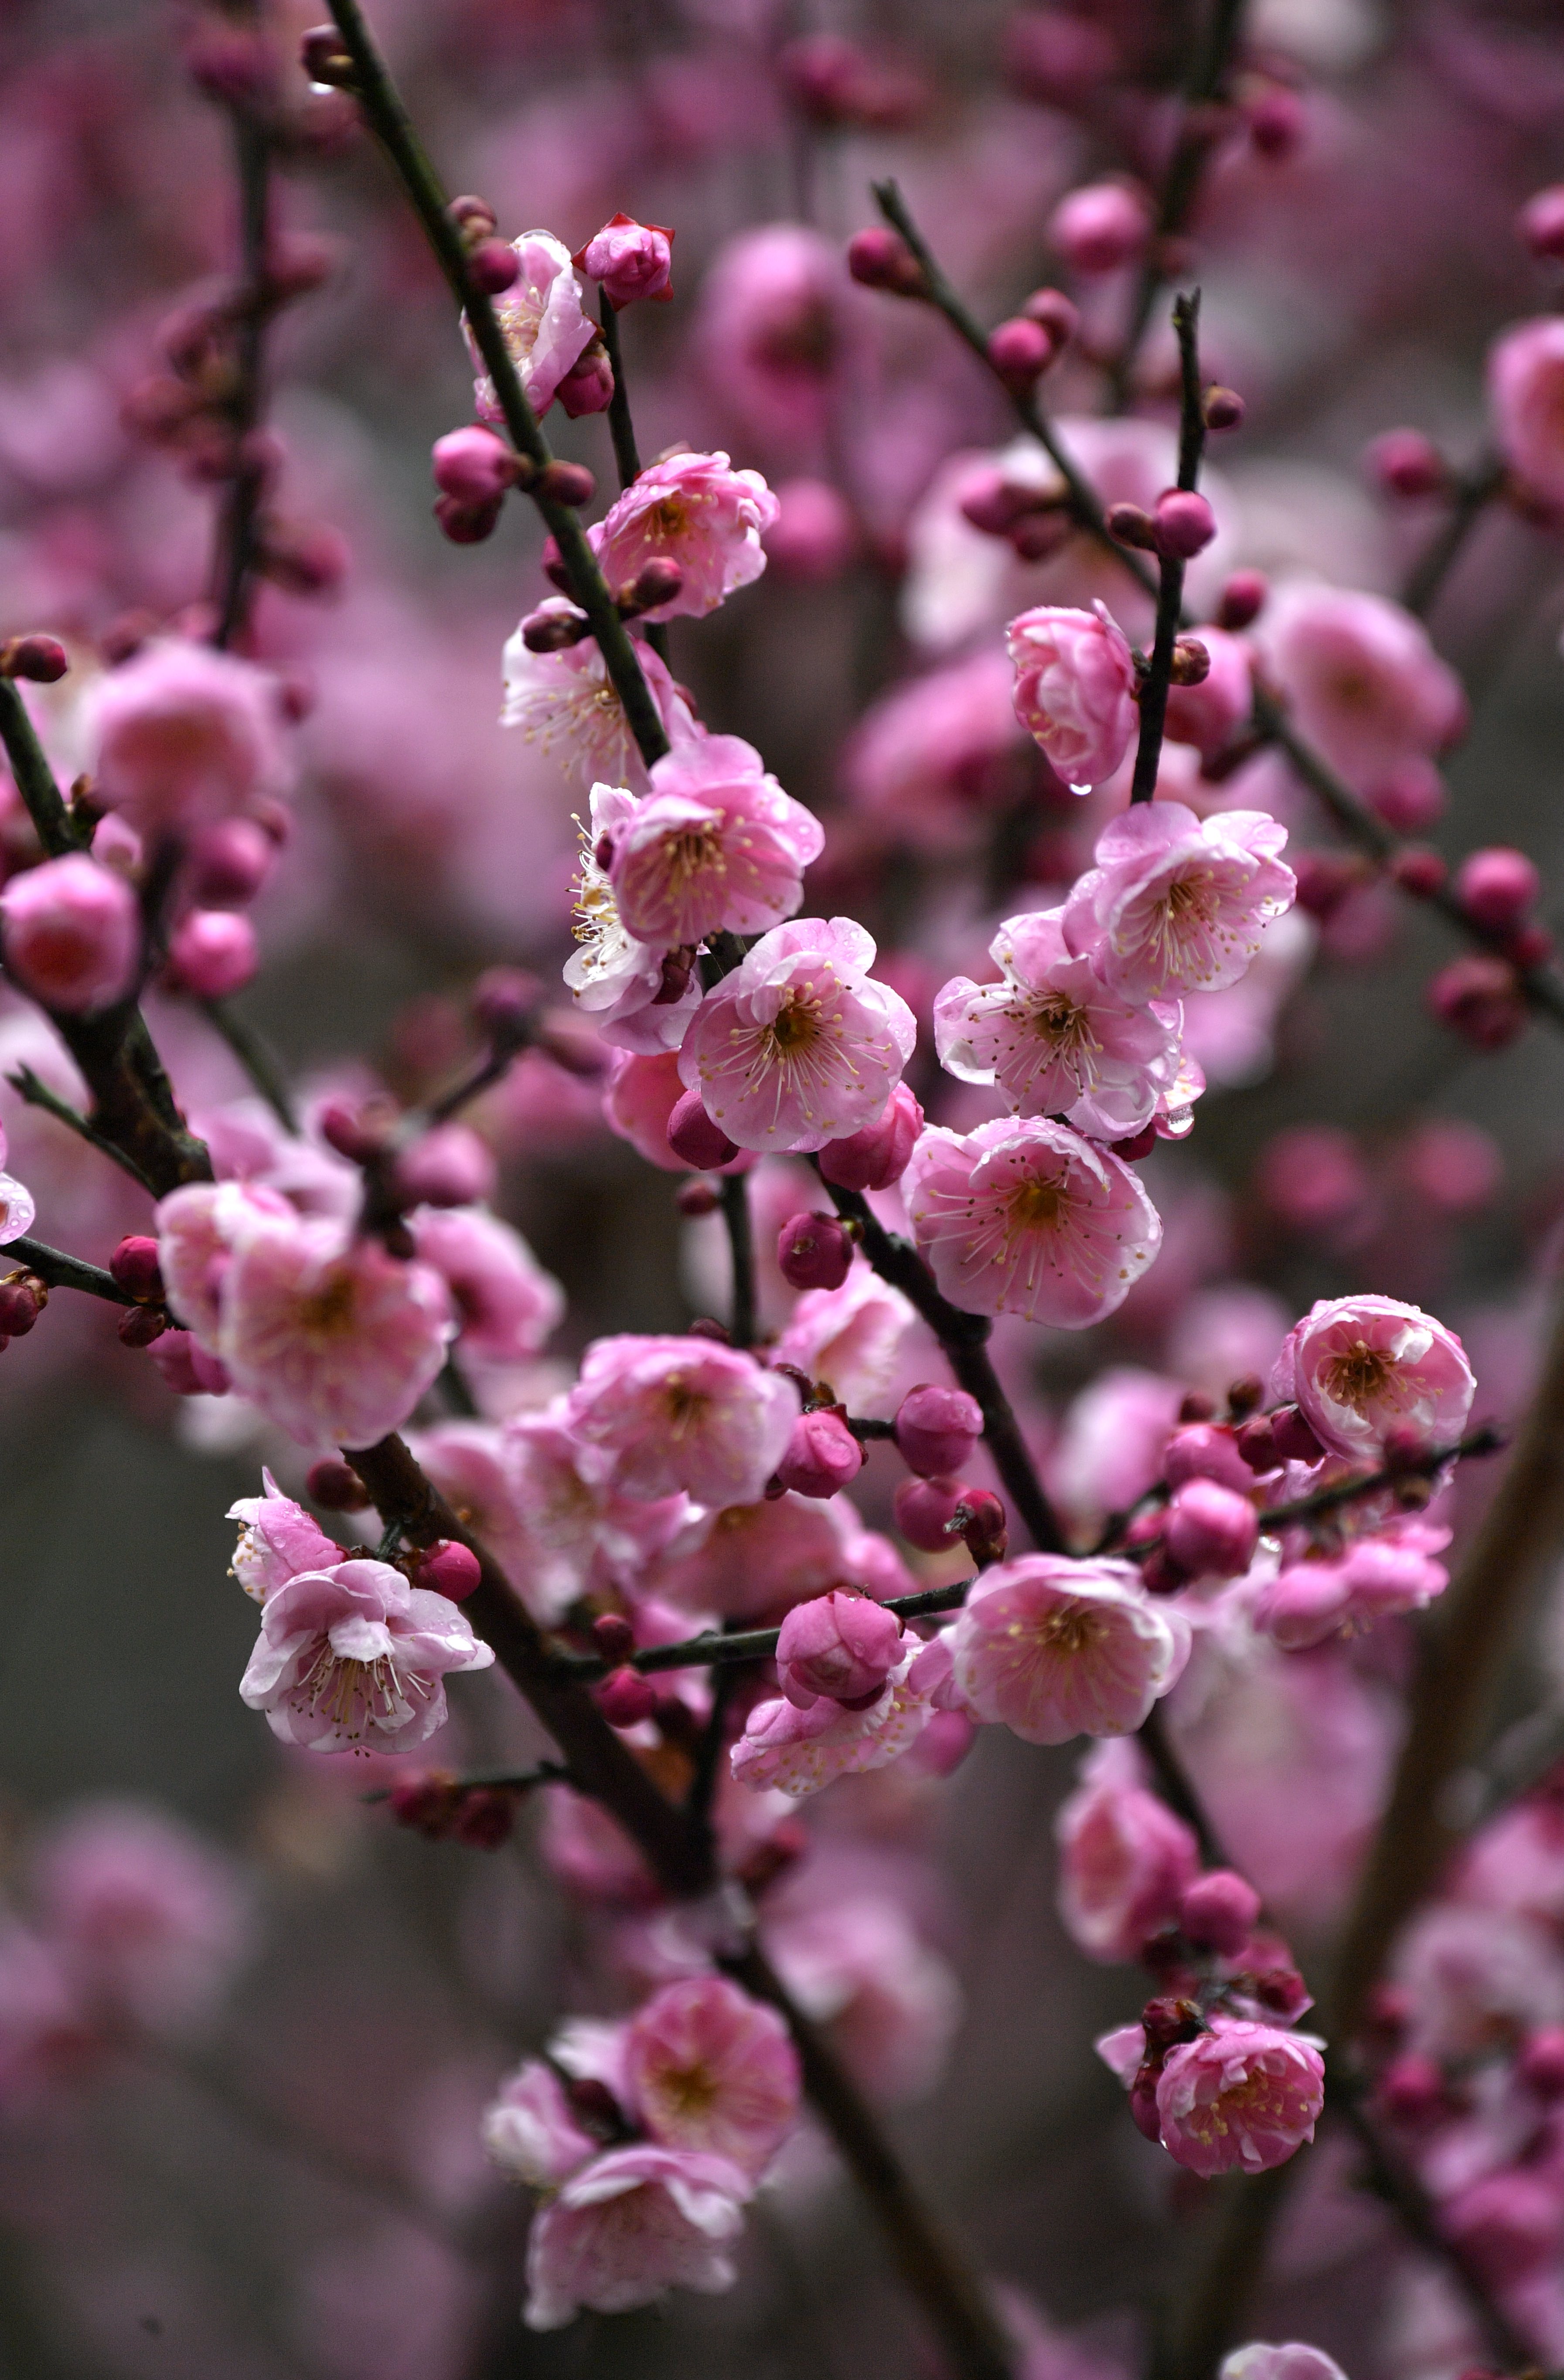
(1293, 2362)
(1053, 1037)
(566, 704)
(682, 1413)
(182, 736)
(750, 1560)
(718, 846)
(1054, 1649)
(543, 322)
(707, 2067)
(799, 1045)
(850, 1337)
(620, 981)
(800, 1751)
(1177, 902)
(1363, 1367)
(694, 510)
(932, 760)
(530, 2130)
(277, 1539)
(576, 1532)
(507, 1307)
(1025, 1218)
(353, 1657)
(1075, 689)
(1124, 1860)
(1526, 399)
(629, 2226)
(1364, 682)
(149, 1919)
(1241, 2097)
(1372, 1579)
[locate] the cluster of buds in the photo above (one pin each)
(1208, 1525)
(1180, 525)
(443, 1810)
(475, 471)
(1021, 348)
(134, 1269)
(1482, 995)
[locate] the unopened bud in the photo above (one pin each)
(324, 59)
(694, 1139)
(564, 483)
(450, 1569)
(1223, 408)
(1497, 887)
(1192, 662)
(625, 1698)
(1020, 352)
(553, 630)
(493, 266)
(1295, 1441)
(472, 216)
(659, 581)
(212, 952)
(1419, 869)
(1038, 534)
(1255, 1442)
(1183, 523)
(22, 1299)
(613, 1636)
(139, 1325)
(472, 466)
(981, 1518)
(695, 1198)
(1245, 1394)
(466, 523)
(1135, 1144)
(42, 658)
(880, 259)
(1218, 1913)
(926, 1513)
(1056, 314)
(335, 1486)
(1541, 223)
(134, 1268)
(815, 1251)
(485, 1818)
(821, 1456)
(1480, 997)
(1404, 463)
(937, 1429)
(1133, 525)
(1277, 123)
(502, 999)
(359, 1135)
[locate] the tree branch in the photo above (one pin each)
(1170, 588)
(741, 1248)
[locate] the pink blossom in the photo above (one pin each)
(717, 846)
(1109, 1449)
(706, 2068)
(851, 1337)
(875, 1156)
(530, 2130)
(1124, 1860)
(1074, 689)
(629, 2226)
(70, 933)
(277, 1539)
(1526, 399)
(632, 260)
(1241, 2095)
(1363, 680)
(1054, 1649)
(566, 701)
(467, 1461)
(1363, 1367)
(17, 1212)
(682, 1413)
(1293, 2361)
(353, 1657)
(150, 1921)
(1373, 1579)
(1025, 1218)
(694, 510)
(1053, 1037)
(639, 1094)
(933, 759)
(542, 321)
(617, 979)
(182, 736)
(799, 1045)
(199, 1228)
(775, 327)
(1177, 902)
(577, 1533)
(841, 1646)
(800, 1751)
(507, 1307)
(751, 1559)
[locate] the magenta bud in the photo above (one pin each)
(550, 630)
(493, 266)
(335, 1486)
(1020, 351)
(875, 1156)
(502, 999)
(1144, 2114)
(613, 1636)
(1246, 1395)
(1210, 1530)
(1404, 463)
(485, 1818)
(566, 483)
(1135, 1144)
(587, 387)
(1055, 313)
(472, 466)
(1541, 223)
(134, 1268)
(821, 1456)
(937, 1429)
(1277, 122)
(842, 1646)
(983, 1524)
(1255, 1442)
(1528, 946)
(926, 1513)
(353, 1133)
(995, 504)
(657, 581)
(466, 523)
(1038, 534)
(1295, 1441)
(1412, 2090)
(139, 1325)
(1191, 662)
(1204, 1450)
(1185, 523)
(230, 861)
(696, 1198)
(882, 260)
(1242, 600)
(1101, 226)
(625, 1698)
(212, 952)
(1420, 870)
(22, 1299)
(472, 216)
(1223, 408)
(813, 1252)
(694, 1138)
(1480, 997)
(1281, 1992)
(1133, 525)
(450, 1569)
(42, 658)
(1541, 2063)
(324, 59)
(1497, 887)
(1218, 1913)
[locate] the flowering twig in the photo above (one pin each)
(714, 1649)
(1472, 493)
(1158, 678)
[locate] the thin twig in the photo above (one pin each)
(1473, 493)
(62, 1271)
(239, 542)
(494, 1781)
(258, 1061)
(621, 428)
(38, 1095)
(741, 1249)
(718, 1649)
(1158, 678)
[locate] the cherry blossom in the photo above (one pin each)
(277, 1539)
(800, 1751)
(1241, 2095)
(1177, 902)
(1054, 1647)
(717, 845)
(1074, 689)
(707, 2067)
(352, 1658)
(682, 1413)
(694, 510)
(1362, 1367)
(530, 2130)
(541, 318)
(630, 2226)
(1124, 1859)
(566, 703)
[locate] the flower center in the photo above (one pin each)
(1075, 1628)
(670, 519)
(1357, 1373)
(330, 1311)
(686, 2090)
(796, 1027)
(1036, 1204)
(355, 1695)
(693, 851)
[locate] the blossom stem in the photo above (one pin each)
(238, 541)
(38, 1095)
(389, 120)
(714, 1650)
(1475, 490)
(1172, 1781)
(62, 1271)
(621, 428)
(257, 1060)
(1170, 589)
(741, 1247)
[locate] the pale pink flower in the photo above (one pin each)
(1074, 689)
(17, 1211)
(640, 1092)
(629, 2226)
(577, 1533)
(1240, 2097)
(748, 1561)
(1526, 399)
(199, 1228)
(181, 735)
(353, 1658)
(1054, 1649)
(507, 1307)
(566, 703)
(799, 1045)
(1365, 684)
(530, 2130)
(1374, 1578)
(776, 322)
(70, 933)
(1363, 1367)
(800, 1751)
(277, 1539)
(707, 2067)
(840, 1646)
(1023, 1216)
(543, 323)
(1124, 1860)
(151, 1920)
(616, 978)
(1108, 1450)
(682, 1413)
(1177, 902)
(467, 1462)
(850, 1337)
(717, 846)
(694, 510)
(1293, 2362)
(1053, 1037)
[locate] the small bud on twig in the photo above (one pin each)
(324, 59)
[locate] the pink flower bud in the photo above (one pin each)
(588, 387)
(1280, 1991)
(983, 1524)
(1412, 2091)
(1205, 1450)
(1101, 226)
(1541, 2063)
(1294, 1438)
(426, 1800)
(485, 1818)
(882, 260)
(937, 1429)
(1242, 600)
(472, 464)
(632, 260)
(1411, 795)
(1223, 408)
(1497, 887)
(1133, 525)
(466, 523)
(656, 581)
(359, 1134)
(42, 658)
(134, 1268)
(994, 503)
(1218, 1913)
(1541, 223)
(1020, 351)
(1210, 1530)
(502, 999)
(813, 1252)
(1038, 534)
(449, 1167)
(553, 627)
(694, 1138)
(229, 861)
(696, 1199)
(187, 1369)
(1257, 1442)
(473, 216)
(926, 1513)
(822, 1455)
(613, 1636)
(22, 1299)
(1529, 946)
(1478, 997)
(212, 952)
(493, 266)
(142, 1324)
(1420, 871)
(1186, 523)
(566, 483)
(875, 1156)
(70, 932)
(842, 1647)
(1406, 463)
(450, 1569)
(625, 1698)
(1055, 313)
(335, 1486)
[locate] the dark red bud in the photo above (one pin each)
(493, 266)
(566, 483)
(1133, 525)
(335, 1486)
(134, 1269)
(613, 1636)
(1223, 408)
(324, 59)
(42, 658)
(139, 1325)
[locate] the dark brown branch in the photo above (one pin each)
(740, 1229)
(239, 541)
(1170, 578)
(62, 1271)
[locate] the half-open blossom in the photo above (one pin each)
(1526, 399)
(623, 982)
(353, 1658)
(182, 736)
(70, 933)
(799, 1750)
(543, 323)
(1074, 689)
(1364, 682)
(507, 1307)
(843, 1646)
(531, 2130)
(629, 2226)
(277, 1539)
(1363, 1367)
(707, 2067)
(1373, 1578)
(199, 1228)
(1053, 1037)
(632, 260)
(1177, 902)
(1023, 1216)
(799, 1045)
(566, 704)
(1241, 2097)
(1054, 1649)
(683, 1413)
(694, 510)
(851, 1337)
(718, 844)
(1124, 1860)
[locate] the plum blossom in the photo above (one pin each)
(70, 933)
(619, 980)
(851, 1337)
(629, 2226)
(149, 1920)
(531, 2130)
(1177, 902)
(1053, 1037)
(1124, 1860)
(1363, 1367)
(1025, 1218)
(799, 1045)
(682, 1413)
(1525, 395)
(576, 1532)
(543, 323)
(507, 1307)
(277, 1539)
(717, 845)
(17, 1210)
(694, 510)
(840, 1646)
(752, 1560)
(707, 2067)
(933, 759)
(632, 260)
(1054, 1647)
(1372, 1579)
(1364, 682)
(800, 1751)
(1241, 2095)
(351, 1658)
(182, 736)
(567, 701)
(1074, 689)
